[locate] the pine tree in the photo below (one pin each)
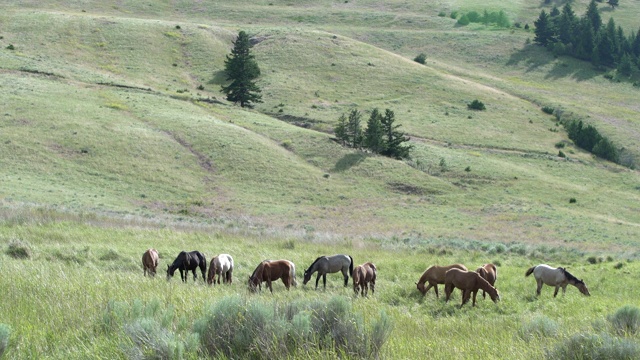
(625, 66)
(594, 16)
(566, 25)
(242, 69)
(354, 129)
(394, 138)
(544, 30)
(613, 3)
(373, 136)
(585, 39)
(341, 130)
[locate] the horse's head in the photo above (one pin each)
(307, 277)
(253, 284)
(583, 288)
(495, 297)
(170, 271)
(421, 288)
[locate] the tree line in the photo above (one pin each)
(587, 38)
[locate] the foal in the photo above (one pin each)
(435, 275)
(150, 262)
(363, 275)
(488, 272)
(468, 282)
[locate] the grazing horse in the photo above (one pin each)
(558, 277)
(186, 261)
(363, 275)
(221, 265)
(150, 262)
(468, 282)
(329, 264)
(270, 270)
(434, 275)
(488, 272)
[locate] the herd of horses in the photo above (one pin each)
(363, 276)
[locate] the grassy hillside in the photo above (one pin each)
(114, 137)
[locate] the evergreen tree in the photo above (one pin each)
(566, 25)
(585, 40)
(613, 3)
(394, 138)
(604, 49)
(354, 129)
(373, 136)
(594, 16)
(242, 69)
(635, 45)
(625, 66)
(341, 130)
(543, 31)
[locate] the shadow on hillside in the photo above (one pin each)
(348, 161)
(534, 57)
(219, 78)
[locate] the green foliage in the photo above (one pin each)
(588, 138)
(11, 47)
(242, 70)
(548, 110)
(464, 20)
(540, 326)
(5, 334)
(626, 321)
(454, 15)
(543, 30)
(595, 346)
(476, 105)
(421, 58)
(234, 327)
(374, 134)
(393, 138)
(18, 249)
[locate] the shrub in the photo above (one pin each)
(476, 105)
(540, 326)
(19, 249)
(421, 58)
(548, 110)
(560, 145)
(561, 154)
(618, 266)
(240, 329)
(464, 20)
(473, 16)
(442, 14)
(454, 15)
(11, 47)
(626, 320)
(572, 200)
(592, 260)
(595, 346)
(5, 333)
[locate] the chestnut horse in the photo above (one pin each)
(468, 282)
(434, 275)
(488, 272)
(363, 275)
(221, 265)
(270, 270)
(558, 277)
(150, 262)
(329, 264)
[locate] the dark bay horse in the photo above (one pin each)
(222, 266)
(270, 270)
(364, 276)
(488, 272)
(434, 275)
(188, 261)
(150, 262)
(469, 282)
(329, 264)
(558, 277)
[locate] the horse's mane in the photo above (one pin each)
(570, 277)
(314, 262)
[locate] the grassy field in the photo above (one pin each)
(115, 137)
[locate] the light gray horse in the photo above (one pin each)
(330, 264)
(558, 277)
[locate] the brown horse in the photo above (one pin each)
(434, 275)
(468, 282)
(363, 275)
(488, 272)
(150, 262)
(222, 266)
(270, 270)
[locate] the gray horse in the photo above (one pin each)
(330, 264)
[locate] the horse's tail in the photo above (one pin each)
(351, 266)
(529, 271)
(294, 282)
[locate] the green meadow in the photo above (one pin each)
(115, 137)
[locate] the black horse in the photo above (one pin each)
(188, 261)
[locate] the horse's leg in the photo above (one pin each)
(345, 274)
(183, 277)
(556, 292)
(269, 285)
(373, 287)
(318, 280)
(474, 297)
(324, 280)
(448, 288)
(483, 295)
(465, 297)
(365, 288)
(427, 289)
(435, 287)
(539, 287)
(564, 290)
